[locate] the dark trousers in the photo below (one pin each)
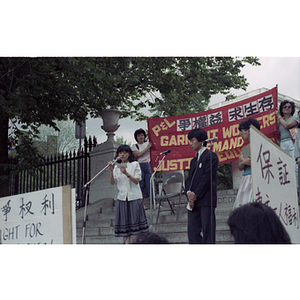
(199, 222)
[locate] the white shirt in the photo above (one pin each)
(126, 188)
(145, 158)
(201, 151)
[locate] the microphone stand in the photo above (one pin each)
(152, 190)
(211, 195)
(86, 188)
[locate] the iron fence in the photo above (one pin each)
(70, 168)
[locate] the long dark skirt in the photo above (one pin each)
(130, 218)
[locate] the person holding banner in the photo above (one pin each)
(201, 186)
(130, 217)
(287, 121)
(244, 194)
(142, 153)
(257, 223)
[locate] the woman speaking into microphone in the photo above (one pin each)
(130, 217)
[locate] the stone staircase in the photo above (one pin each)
(99, 227)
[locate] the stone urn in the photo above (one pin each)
(110, 119)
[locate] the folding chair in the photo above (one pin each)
(172, 187)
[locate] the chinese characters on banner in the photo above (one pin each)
(274, 181)
(171, 132)
(41, 217)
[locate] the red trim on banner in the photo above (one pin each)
(171, 132)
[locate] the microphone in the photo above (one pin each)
(165, 152)
(214, 139)
(115, 160)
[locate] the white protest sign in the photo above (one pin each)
(41, 217)
(274, 181)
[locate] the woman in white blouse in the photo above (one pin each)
(130, 217)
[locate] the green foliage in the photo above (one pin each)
(65, 135)
(27, 154)
(190, 82)
(122, 141)
(224, 177)
(45, 90)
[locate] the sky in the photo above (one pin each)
(283, 71)
(198, 28)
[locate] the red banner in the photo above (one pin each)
(223, 122)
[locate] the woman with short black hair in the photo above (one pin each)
(286, 121)
(257, 223)
(141, 150)
(130, 217)
(244, 194)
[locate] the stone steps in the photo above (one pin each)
(100, 223)
(94, 229)
(223, 237)
(164, 216)
(95, 222)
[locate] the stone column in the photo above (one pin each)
(101, 155)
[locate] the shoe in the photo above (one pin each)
(145, 208)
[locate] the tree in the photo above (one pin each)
(195, 80)
(224, 177)
(36, 91)
(66, 140)
(122, 141)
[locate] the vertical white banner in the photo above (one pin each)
(274, 181)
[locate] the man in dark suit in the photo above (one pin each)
(201, 190)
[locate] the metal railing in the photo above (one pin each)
(70, 168)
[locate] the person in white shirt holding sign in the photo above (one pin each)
(130, 217)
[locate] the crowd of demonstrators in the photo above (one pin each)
(287, 122)
(257, 223)
(249, 222)
(244, 194)
(253, 222)
(141, 150)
